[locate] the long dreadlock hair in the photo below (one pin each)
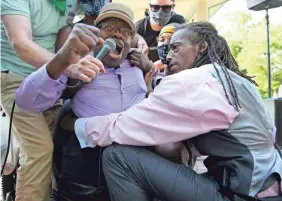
(218, 52)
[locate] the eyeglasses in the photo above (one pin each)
(165, 8)
(125, 32)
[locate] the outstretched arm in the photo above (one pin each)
(42, 89)
(19, 32)
(175, 111)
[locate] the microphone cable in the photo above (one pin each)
(9, 138)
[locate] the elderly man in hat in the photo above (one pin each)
(113, 85)
(91, 9)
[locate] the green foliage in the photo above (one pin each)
(247, 41)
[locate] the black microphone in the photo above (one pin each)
(108, 46)
(72, 84)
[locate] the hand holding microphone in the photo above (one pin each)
(72, 55)
(88, 67)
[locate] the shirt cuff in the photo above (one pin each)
(80, 131)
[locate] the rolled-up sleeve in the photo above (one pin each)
(173, 112)
(38, 91)
(15, 7)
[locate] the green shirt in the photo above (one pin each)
(46, 21)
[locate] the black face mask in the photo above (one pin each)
(163, 52)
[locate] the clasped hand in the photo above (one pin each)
(73, 58)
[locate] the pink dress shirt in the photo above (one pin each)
(184, 105)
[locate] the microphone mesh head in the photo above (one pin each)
(111, 44)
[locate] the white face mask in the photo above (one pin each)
(160, 18)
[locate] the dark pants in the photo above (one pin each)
(135, 173)
(78, 171)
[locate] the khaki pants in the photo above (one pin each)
(32, 130)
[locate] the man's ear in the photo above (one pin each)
(203, 47)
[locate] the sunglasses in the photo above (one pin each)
(165, 8)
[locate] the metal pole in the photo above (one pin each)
(268, 55)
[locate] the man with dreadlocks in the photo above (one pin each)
(207, 99)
